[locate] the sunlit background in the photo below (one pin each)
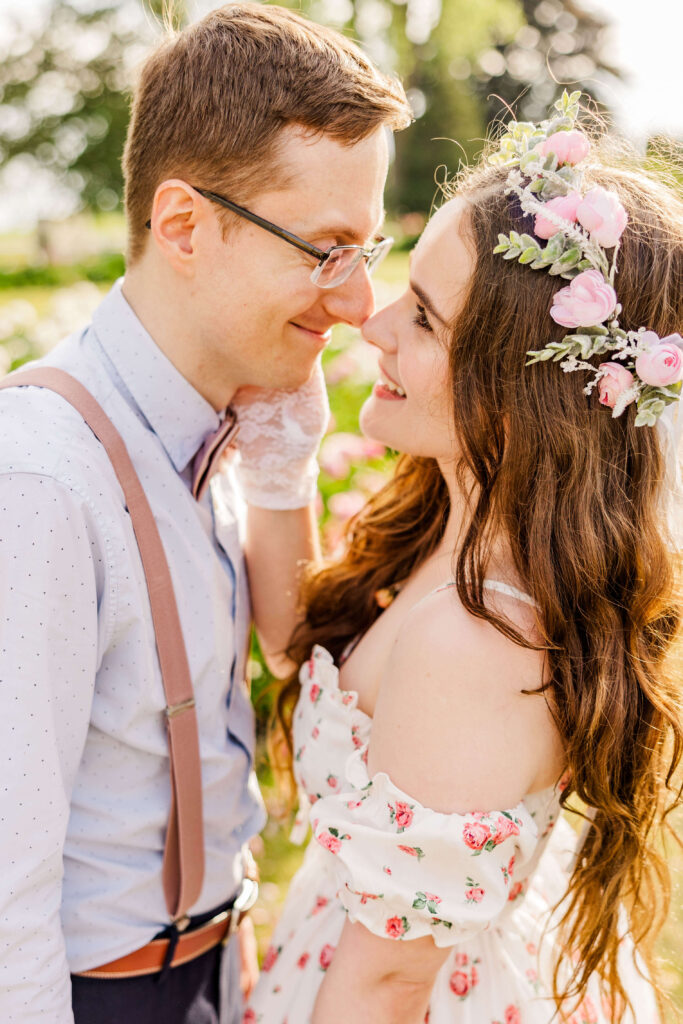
(65, 74)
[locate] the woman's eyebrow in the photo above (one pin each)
(427, 303)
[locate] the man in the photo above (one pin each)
(251, 106)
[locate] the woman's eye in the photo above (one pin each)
(420, 319)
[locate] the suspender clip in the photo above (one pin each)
(175, 709)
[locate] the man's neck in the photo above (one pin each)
(161, 311)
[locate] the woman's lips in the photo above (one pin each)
(380, 390)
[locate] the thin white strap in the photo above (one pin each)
(505, 588)
(502, 588)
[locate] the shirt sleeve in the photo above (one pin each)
(48, 660)
(405, 871)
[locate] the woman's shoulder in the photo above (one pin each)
(453, 701)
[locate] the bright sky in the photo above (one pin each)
(647, 45)
(646, 36)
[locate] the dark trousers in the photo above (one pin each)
(189, 994)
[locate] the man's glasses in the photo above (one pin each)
(335, 265)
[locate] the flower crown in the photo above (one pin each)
(578, 228)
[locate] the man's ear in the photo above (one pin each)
(176, 210)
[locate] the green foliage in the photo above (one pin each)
(104, 268)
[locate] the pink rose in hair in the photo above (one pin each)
(587, 301)
(663, 363)
(615, 380)
(601, 213)
(569, 147)
(563, 206)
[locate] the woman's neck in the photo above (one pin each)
(463, 498)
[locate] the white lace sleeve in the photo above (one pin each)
(278, 439)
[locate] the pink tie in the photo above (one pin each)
(205, 462)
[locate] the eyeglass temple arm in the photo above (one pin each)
(312, 250)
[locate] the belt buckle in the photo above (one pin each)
(245, 900)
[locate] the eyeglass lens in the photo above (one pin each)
(341, 263)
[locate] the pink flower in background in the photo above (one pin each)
(475, 894)
(314, 693)
(512, 1015)
(613, 383)
(346, 504)
(249, 1016)
(339, 451)
(569, 147)
(461, 959)
(587, 301)
(303, 960)
(563, 206)
(601, 213)
(663, 364)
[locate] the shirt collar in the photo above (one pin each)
(175, 411)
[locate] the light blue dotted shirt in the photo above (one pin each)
(84, 771)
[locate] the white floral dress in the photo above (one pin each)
(480, 883)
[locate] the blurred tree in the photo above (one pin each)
(560, 43)
(64, 99)
(463, 62)
(63, 85)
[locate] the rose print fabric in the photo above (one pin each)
(481, 883)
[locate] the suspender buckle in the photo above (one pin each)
(175, 709)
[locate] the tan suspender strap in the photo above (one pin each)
(183, 868)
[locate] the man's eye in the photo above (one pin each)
(420, 319)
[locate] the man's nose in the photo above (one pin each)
(353, 301)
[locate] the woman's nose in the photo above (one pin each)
(378, 330)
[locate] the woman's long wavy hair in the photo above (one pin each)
(577, 496)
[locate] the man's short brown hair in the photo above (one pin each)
(212, 100)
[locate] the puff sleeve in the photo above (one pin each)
(405, 871)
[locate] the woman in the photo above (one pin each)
(521, 660)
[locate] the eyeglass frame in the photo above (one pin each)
(322, 255)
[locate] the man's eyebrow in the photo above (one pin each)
(343, 231)
(427, 303)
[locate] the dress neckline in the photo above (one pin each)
(498, 585)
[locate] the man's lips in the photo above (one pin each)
(323, 334)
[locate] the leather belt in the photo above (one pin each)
(151, 959)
